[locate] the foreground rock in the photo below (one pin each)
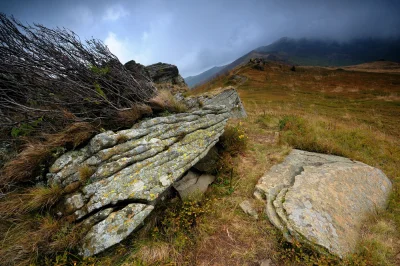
(322, 199)
(115, 180)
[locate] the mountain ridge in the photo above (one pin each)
(313, 52)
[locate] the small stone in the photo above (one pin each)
(247, 207)
(193, 185)
(266, 262)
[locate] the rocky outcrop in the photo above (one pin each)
(160, 73)
(137, 69)
(322, 199)
(115, 181)
(165, 73)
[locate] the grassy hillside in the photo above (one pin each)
(331, 53)
(314, 52)
(353, 114)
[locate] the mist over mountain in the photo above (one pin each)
(193, 80)
(314, 52)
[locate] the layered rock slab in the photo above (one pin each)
(322, 199)
(119, 176)
(227, 96)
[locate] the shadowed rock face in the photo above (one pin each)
(122, 175)
(136, 69)
(322, 199)
(162, 72)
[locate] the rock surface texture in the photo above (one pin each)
(115, 180)
(322, 199)
(161, 73)
(228, 97)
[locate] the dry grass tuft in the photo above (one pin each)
(164, 100)
(27, 163)
(152, 252)
(85, 172)
(126, 118)
(31, 199)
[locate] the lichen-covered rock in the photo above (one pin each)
(322, 199)
(161, 73)
(228, 97)
(115, 228)
(121, 175)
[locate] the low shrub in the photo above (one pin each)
(183, 216)
(234, 139)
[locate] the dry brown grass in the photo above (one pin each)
(164, 100)
(126, 118)
(27, 163)
(32, 199)
(29, 241)
(85, 172)
(353, 114)
(27, 230)
(152, 253)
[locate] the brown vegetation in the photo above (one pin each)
(164, 100)
(27, 163)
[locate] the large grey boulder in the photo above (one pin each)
(115, 180)
(322, 199)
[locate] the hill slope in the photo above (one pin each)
(309, 52)
(192, 81)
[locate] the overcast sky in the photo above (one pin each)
(197, 35)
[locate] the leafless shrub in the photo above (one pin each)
(51, 73)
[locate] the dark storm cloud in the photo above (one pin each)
(196, 35)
